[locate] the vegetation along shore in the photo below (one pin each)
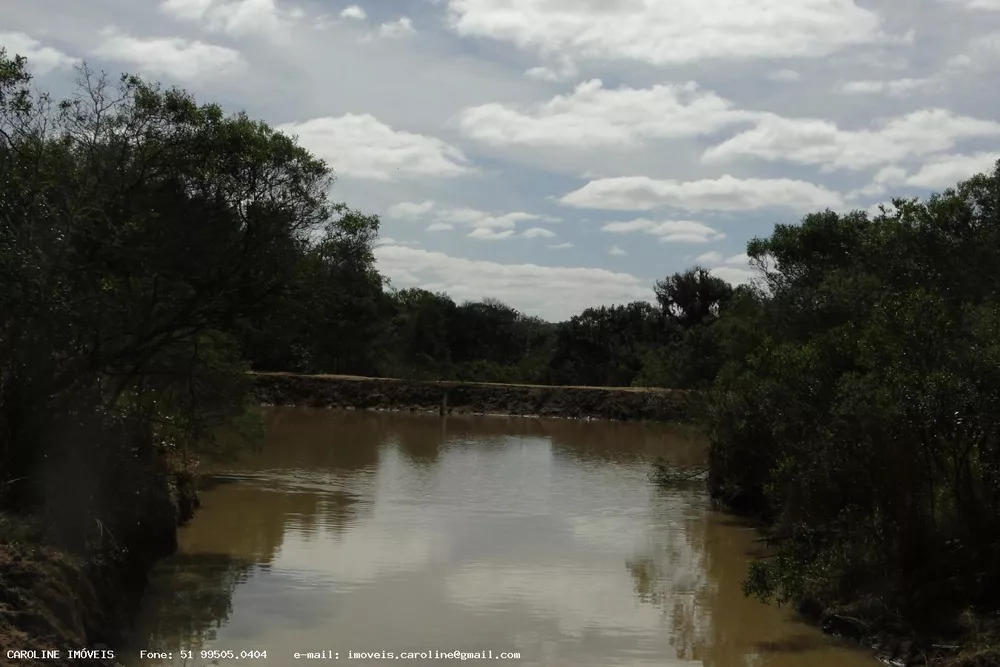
(155, 250)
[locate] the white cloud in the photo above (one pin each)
(667, 231)
(860, 87)
(942, 172)
(784, 75)
(726, 193)
(538, 233)
(947, 170)
(172, 56)
(873, 210)
(361, 146)
(399, 28)
(978, 4)
(733, 269)
(492, 227)
(41, 59)
(387, 240)
(563, 70)
(596, 116)
(880, 59)
(983, 53)
(470, 217)
(615, 250)
(354, 12)
(677, 32)
(886, 176)
(732, 275)
(893, 88)
(821, 142)
(712, 257)
(485, 226)
(408, 210)
(643, 120)
(542, 74)
(546, 291)
(890, 174)
(962, 61)
(235, 17)
(490, 234)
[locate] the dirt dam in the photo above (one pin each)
(346, 391)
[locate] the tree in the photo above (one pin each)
(692, 297)
(333, 307)
(139, 233)
(859, 411)
(605, 345)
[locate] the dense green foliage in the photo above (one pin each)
(143, 238)
(860, 411)
(153, 249)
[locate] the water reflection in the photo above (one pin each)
(399, 532)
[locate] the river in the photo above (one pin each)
(397, 533)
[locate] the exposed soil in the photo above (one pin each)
(47, 601)
(52, 600)
(347, 391)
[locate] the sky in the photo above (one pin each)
(562, 154)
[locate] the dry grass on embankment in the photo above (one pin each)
(349, 391)
(47, 599)
(57, 600)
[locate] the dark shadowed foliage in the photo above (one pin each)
(859, 412)
(142, 236)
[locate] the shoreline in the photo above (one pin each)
(111, 592)
(482, 398)
(561, 402)
(51, 599)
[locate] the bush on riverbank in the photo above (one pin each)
(864, 420)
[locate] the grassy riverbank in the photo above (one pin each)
(56, 598)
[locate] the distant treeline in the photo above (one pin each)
(416, 334)
(152, 250)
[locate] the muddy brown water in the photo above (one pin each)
(398, 533)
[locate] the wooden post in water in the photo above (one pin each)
(444, 403)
